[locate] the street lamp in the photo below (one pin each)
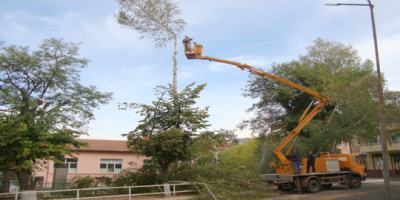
(346, 4)
(385, 169)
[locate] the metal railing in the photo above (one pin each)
(108, 192)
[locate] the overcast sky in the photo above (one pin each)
(255, 32)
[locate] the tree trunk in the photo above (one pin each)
(26, 184)
(25, 181)
(164, 170)
(6, 182)
(174, 58)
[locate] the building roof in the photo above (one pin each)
(103, 145)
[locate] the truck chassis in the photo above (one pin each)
(312, 182)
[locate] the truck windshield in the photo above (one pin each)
(356, 159)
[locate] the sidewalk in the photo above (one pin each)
(381, 179)
(392, 181)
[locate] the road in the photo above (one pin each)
(372, 189)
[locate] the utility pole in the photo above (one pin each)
(383, 138)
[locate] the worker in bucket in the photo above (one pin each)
(187, 41)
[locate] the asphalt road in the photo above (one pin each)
(372, 189)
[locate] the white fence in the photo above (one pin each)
(107, 192)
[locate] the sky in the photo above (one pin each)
(255, 32)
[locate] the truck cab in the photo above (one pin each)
(350, 162)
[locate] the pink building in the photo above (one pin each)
(100, 158)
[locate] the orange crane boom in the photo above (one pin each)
(197, 53)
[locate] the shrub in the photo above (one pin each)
(82, 182)
(146, 175)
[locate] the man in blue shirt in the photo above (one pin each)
(296, 159)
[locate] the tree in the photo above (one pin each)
(7, 127)
(242, 156)
(332, 69)
(165, 132)
(392, 110)
(154, 19)
(210, 141)
(43, 105)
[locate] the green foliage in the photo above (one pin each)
(148, 174)
(103, 181)
(228, 179)
(334, 70)
(392, 109)
(166, 146)
(10, 130)
(90, 182)
(207, 144)
(241, 155)
(225, 182)
(264, 151)
(44, 107)
(165, 133)
(83, 182)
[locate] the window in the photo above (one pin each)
(394, 138)
(111, 165)
(71, 164)
(342, 158)
(377, 161)
(395, 158)
(356, 159)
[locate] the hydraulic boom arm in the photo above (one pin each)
(197, 53)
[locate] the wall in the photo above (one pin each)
(89, 164)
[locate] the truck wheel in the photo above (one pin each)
(354, 183)
(313, 186)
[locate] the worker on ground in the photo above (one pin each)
(310, 162)
(186, 41)
(296, 159)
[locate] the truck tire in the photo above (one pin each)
(313, 186)
(354, 182)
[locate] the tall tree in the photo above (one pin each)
(154, 19)
(332, 69)
(165, 132)
(43, 105)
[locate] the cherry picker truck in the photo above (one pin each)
(346, 169)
